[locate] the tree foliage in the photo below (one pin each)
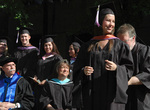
(131, 11)
(17, 9)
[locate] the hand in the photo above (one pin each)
(88, 70)
(35, 77)
(110, 66)
(42, 83)
(3, 107)
(6, 105)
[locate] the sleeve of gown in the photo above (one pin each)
(32, 64)
(123, 73)
(144, 69)
(78, 77)
(44, 99)
(81, 61)
(24, 95)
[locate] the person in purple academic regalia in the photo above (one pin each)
(27, 55)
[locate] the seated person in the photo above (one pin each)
(57, 93)
(15, 91)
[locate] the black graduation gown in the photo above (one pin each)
(27, 60)
(45, 68)
(103, 90)
(58, 95)
(139, 96)
(24, 95)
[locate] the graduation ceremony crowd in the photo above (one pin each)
(108, 72)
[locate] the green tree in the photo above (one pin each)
(17, 9)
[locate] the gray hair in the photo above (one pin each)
(127, 28)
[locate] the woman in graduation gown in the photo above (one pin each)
(57, 92)
(73, 53)
(102, 69)
(50, 56)
(45, 65)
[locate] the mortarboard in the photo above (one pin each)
(101, 10)
(76, 46)
(45, 39)
(4, 39)
(48, 38)
(23, 30)
(8, 59)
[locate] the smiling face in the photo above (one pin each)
(48, 47)
(63, 70)
(108, 24)
(25, 39)
(72, 51)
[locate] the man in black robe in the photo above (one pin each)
(139, 84)
(27, 55)
(15, 91)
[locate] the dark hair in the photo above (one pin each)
(54, 50)
(104, 12)
(76, 47)
(98, 30)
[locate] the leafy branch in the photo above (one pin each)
(17, 9)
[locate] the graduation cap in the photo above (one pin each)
(23, 30)
(4, 39)
(45, 39)
(48, 38)
(76, 46)
(101, 10)
(7, 59)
